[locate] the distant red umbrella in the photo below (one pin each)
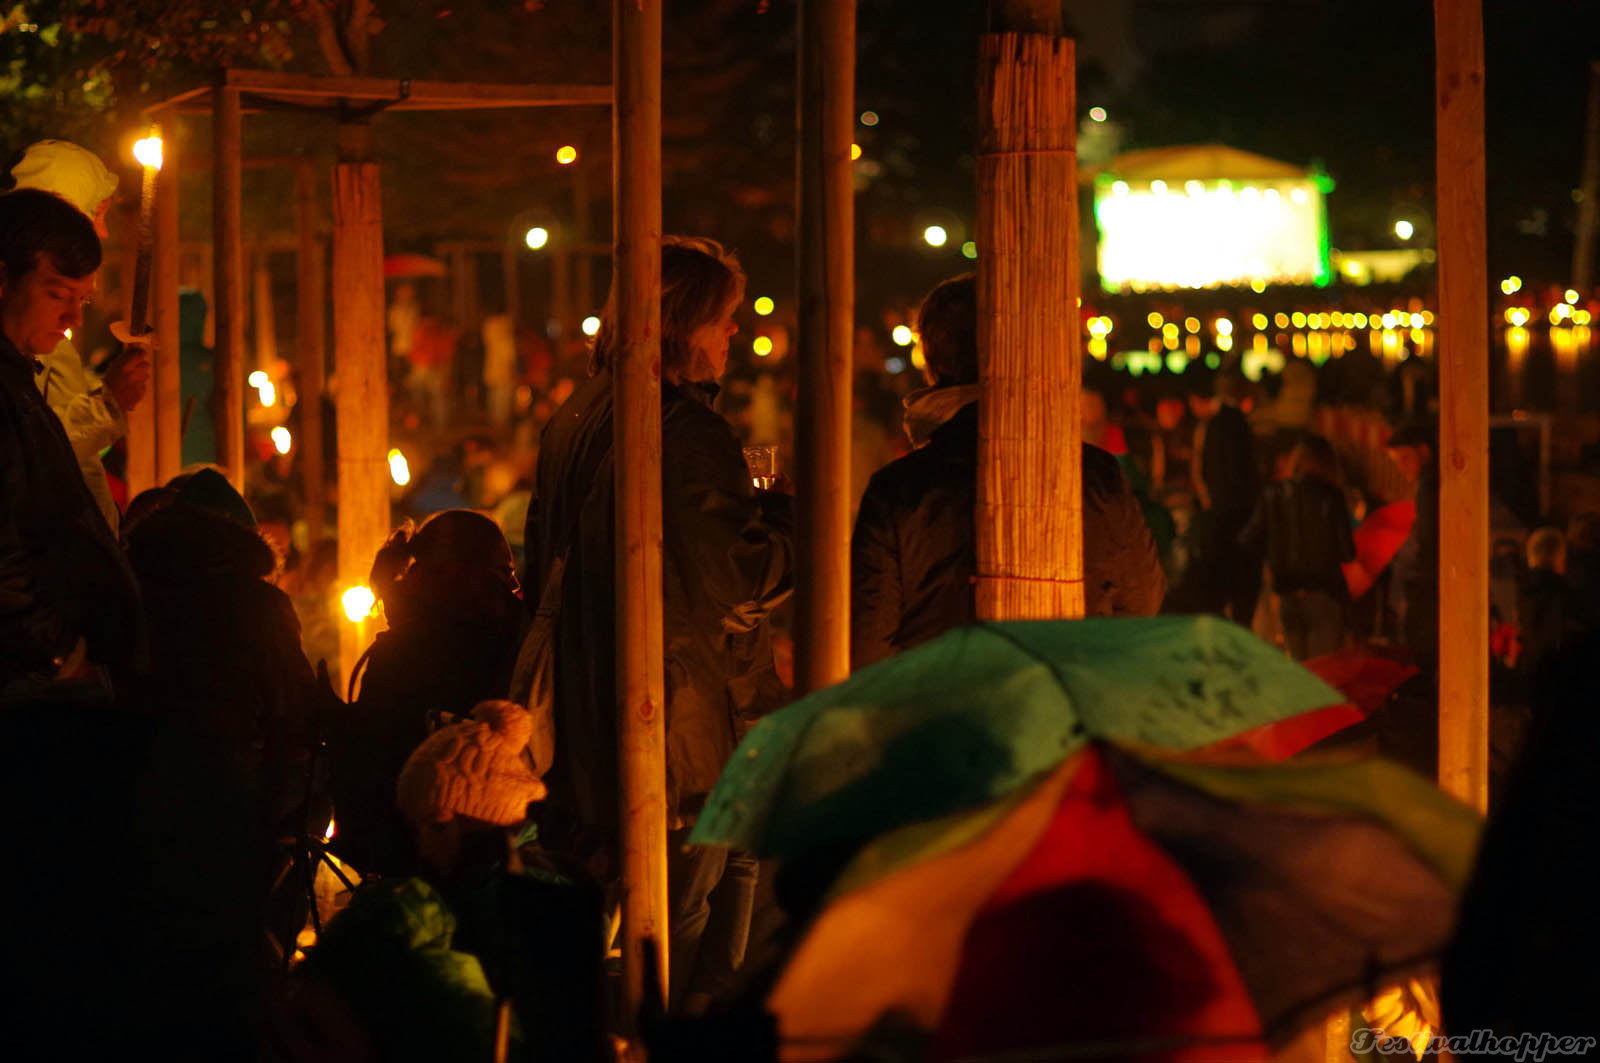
(401, 267)
(1377, 540)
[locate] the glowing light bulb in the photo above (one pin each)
(1119, 188)
(1572, 296)
(566, 155)
(281, 440)
(763, 305)
(762, 346)
(148, 152)
(935, 235)
(258, 378)
(358, 603)
(969, 250)
(399, 469)
(1224, 327)
(536, 237)
(1153, 319)
(1097, 114)
(1404, 229)
(1158, 187)
(1194, 188)
(902, 335)
(1258, 321)
(855, 151)
(591, 325)
(267, 393)
(869, 118)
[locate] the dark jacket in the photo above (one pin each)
(1304, 529)
(913, 555)
(726, 564)
(62, 575)
(1549, 616)
(447, 659)
(1228, 466)
(225, 656)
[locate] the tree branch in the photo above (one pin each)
(358, 33)
(328, 39)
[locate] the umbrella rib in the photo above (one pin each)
(1055, 673)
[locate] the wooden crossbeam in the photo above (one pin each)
(399, 94)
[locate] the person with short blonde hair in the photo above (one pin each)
(727, 557)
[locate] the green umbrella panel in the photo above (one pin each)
(983, 710)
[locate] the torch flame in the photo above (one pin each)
(358, 603)
(148, 152)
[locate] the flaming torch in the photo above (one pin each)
(148, 153)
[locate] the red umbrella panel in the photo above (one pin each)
(1364, 675)
(1377, 539)
(1135, 906)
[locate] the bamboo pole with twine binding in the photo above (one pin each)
(1029, 507)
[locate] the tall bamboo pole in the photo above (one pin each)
(1463, 405)
(641, 684)
(166, 382)
(310, 340)
(227, 183)
(582, 270)
(1589, 205)
(1030, 507)
(360, 357)
(266, 327)
(825, 272)
(141, 439)
(513, 286)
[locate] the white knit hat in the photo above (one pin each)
(75, 174)
(472, 768)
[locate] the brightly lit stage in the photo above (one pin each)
(1207, 216)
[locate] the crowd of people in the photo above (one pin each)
(157, 667)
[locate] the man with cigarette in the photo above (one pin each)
(94, 413)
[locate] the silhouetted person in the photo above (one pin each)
(727, 559)
(1302, 526)
(913, 555)
(1227, 578)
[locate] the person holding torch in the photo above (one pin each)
(93, 411)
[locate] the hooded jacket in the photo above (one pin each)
(726, 565)
(226, 663)
(913, 556)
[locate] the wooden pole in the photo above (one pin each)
(641, 684)
(508, 269)
(141, 440)
(360, 360)
(166, 381)
(310, 340)
(1589, 205)
(825, 272)
(266, 327)
(582, 269)
(1463, 405)
(227, 183)
(1030, 507)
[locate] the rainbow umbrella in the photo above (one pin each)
(1133, 905)
(985, 710)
